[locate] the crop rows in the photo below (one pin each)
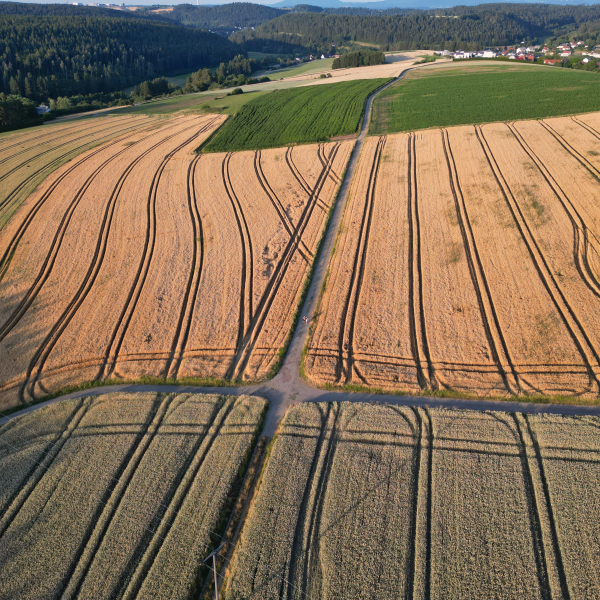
(304, 114)
(118, 496)
(143, 259)
(468, 259)
(362, 501)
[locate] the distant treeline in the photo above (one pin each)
(362, 58)
(469, 28)
(45, 57)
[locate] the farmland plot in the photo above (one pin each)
(468, 259)
(27, 158)
(363, 500)
(143, 259)
(123, 499)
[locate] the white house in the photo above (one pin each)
(489, 54)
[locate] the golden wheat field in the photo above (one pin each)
(373, 501)
(119, 496)
(468, 259)
(142, 258)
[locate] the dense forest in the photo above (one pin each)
(469, 28)
(361, 58)
(46, 56)
(224, 17)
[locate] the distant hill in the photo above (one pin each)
(225, 16)
(60, 50)
(466, 27)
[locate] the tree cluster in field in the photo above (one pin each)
(464, 27)
(16, 111)
(47, 57)
(362, 58)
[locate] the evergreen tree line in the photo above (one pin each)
(468, 28)
(47, 57)
(361, 58)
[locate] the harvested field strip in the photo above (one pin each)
(262, 309)
(353, 297)
(42, 353)
(496, 341)
(579, 336)
(171, 470)
(17, 194)
(46, 268)
(420, 504)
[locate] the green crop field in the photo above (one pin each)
(119, 496)
(372, 501)
(296, 116)
(466, 93)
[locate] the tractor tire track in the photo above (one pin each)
(37, 143)
(277, 205)
(489, 316)
(582, 242)
(247, 278)
(142, 561)
(111, 355)
(306, 509)
(41, 355)
(111, 502)
(576, 331)
(419, 340)
(244, 350)
(41, 467)
(586, 126)
(11, 249)
(289, 159)
(191, 293)
(48, 264)
(56, 160)
(554, 580)
(13, 197)
(349, 313)
(311, 562)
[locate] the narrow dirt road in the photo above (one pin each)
(287, 388)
